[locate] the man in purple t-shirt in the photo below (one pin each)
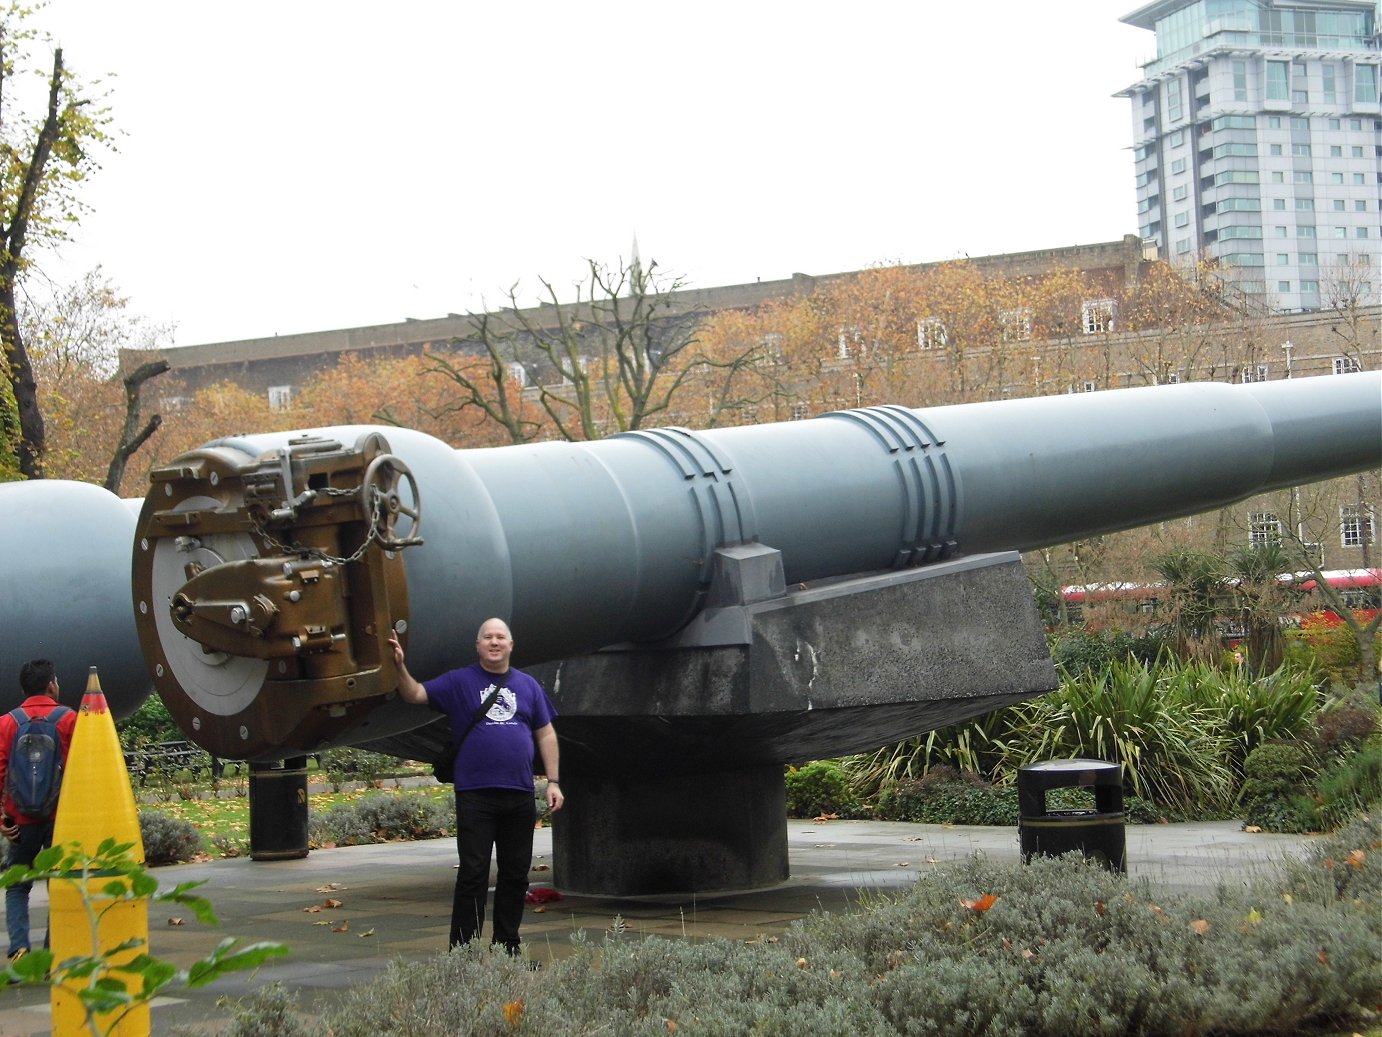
(494, 777)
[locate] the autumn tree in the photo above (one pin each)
(613, 359)
(92, 413)
(45, 159)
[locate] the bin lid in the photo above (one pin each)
(1070, 765)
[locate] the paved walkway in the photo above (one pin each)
(395, 901)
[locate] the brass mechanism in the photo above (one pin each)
(266, 588)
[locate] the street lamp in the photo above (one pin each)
(1286, 348)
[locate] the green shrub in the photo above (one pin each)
(268, 1012)
(350, 764)
(1077, 651)
(1347, 720)
(381, 818)
(1349, 786)
(820, 788)
(1275, 792)
(1059, 948)
(168, 840)
(151, 722)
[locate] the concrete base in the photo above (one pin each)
(685, 833)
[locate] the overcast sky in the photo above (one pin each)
(300, 165)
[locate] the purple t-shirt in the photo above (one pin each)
(498, 752)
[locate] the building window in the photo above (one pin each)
(1278, 204)
(1338, 205)
(851, 341)
(1305, 205)
(1283, 286)
(1279, 232)
(280, 397)
(1360, 206)
(1362, 232)
(1357, 525)
(1302, 176)
(799, 411)
(1327, 73)
(1278, 79)
(1300, 150)
(1336, 178)
(1274, 150)
(1016, 325)
(1177, 138)
(1174, 106)
(1097, 315)
(931, 333)
(1278, 177)
(1299, 123)
(1283, 259)
(1357, 151)
(1255, 372)
(1336, 151)
(1309, 259)
(1240, 80)
(1178, 193)
(1177, 166)
(1365, 84)
(1305, 232)
(1263, 528)
(1358, 179)
(1310, 287)
(1346, 365)
(1182, 218)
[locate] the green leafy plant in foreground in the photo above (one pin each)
(109, 982)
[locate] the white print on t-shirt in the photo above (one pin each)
(505, 706)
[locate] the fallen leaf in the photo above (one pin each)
(1254, 917)
(904, 864)
(1100, 909)
(1355, 860)
(821, 819)
(331, 902)
(1199, 927)
(982, 903)
(367, 932)
(330, 887)
(1029, 954)
(175, 921)
(344, 927)
(513, 1012)
(801, 963)
(539, 910)
(1323, 956)
(314, 909)
(541, 867)
(1251, 828)
(671, 1025)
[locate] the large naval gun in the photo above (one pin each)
(702, 606)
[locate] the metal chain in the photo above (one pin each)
(316, 552)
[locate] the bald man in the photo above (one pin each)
(495, 810)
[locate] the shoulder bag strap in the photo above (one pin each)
(484, 708)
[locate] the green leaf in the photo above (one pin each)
(224, 959)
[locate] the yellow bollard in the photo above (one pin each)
(97, 803)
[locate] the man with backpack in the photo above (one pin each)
(34, 742)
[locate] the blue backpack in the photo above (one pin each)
(34, 777)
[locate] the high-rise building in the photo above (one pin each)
(1257, 136)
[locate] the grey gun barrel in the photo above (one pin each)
(586, 545)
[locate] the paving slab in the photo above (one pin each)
(394, 901)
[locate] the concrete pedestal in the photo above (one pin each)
(640, 833)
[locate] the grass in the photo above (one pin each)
(225, 813)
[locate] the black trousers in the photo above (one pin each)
(501, 820)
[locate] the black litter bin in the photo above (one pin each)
(1096, 832)
(278, 810)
